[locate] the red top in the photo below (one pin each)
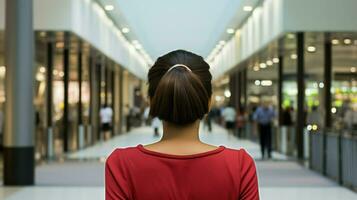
(140, 174)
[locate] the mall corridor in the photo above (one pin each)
(80, 176)
(80, 78)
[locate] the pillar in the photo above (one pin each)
(19, 109)
(300, 122)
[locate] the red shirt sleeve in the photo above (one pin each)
(249, 181)
(116, 187)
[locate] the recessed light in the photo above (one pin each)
(335, 41)
(257, 82)
(256, 68)
(262, 65)
(353, 69)
(125, 30)
(109, 7)
(293, 56)
(311, 49)
(269, 63)
(266, 82)
(247, 8)
(230, 31)
(275, 60)
(347, 41)
(333, 110)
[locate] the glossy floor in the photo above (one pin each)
(80, 177)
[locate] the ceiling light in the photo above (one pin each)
(263, 65)
(269, 63)
(321, 85)
(257, 82)
(256, 68)
(55, 72)
(109, 7)
(333, 110)
(222, 42)
(61, 74)
(230, 31)
(266, 82)
(311, 49)
(275, 60)
(125, 30)
(335, 41)
(353, 69)
(293, 56)
(247, 8)
(347, 41)
(227, 93)
(42, 69)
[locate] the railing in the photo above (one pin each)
(334, 154)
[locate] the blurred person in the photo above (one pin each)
(180, 92)
(264, 116)
(314, 119)
(229, 117)
(241, 119)
(128, 117)
(350, 118)
(106, 115)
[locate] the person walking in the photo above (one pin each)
(264, 116)
(106, 116)
(180, 165)
(229, 117)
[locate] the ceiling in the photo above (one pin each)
(162, 26)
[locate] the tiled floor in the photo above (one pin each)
(81, 177)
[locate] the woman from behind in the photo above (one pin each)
(180, 166)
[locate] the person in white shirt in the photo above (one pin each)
(229, 116)
(106, 115)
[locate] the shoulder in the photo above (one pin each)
(120, 155)
(242, 154)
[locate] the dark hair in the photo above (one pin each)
(179, 96)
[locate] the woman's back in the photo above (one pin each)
(138, 173)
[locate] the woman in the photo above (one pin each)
(180, 166)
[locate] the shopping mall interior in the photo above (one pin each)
(62, 62)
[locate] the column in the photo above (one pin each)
(19, 110)
(80, 105)
(300, 119)
(99, 73)
(66, 71)
(280, 87)
(121, 100)
(328, 79)
(112, 72)
(49, 97)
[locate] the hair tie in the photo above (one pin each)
(179, 65)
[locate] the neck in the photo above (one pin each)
(175, 133)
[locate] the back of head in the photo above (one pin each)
(179, 87)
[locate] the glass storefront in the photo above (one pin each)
(77, 88)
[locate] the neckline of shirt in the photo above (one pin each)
(190, 156)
